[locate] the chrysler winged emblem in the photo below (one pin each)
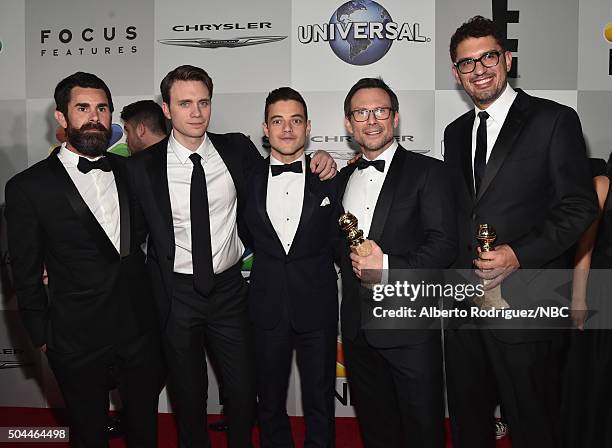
(205, 42)
(13, 364)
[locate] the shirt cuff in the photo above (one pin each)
(385, 272)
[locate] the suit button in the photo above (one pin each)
(473, 216)
(169, 257)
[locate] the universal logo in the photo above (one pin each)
(361, 32)
(88, 41)
(232, 42)
(502, 17)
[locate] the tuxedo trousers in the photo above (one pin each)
(483, 371)
(316, 361)
(134, 367)
(397, 392)
(217, 323)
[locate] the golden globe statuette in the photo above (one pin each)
(492, 298)
(359, 245)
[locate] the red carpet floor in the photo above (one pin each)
(347, 432)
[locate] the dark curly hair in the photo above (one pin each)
(477, 26)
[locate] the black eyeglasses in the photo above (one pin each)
(380, 113)
(489, 59)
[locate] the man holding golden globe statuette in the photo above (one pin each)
(492, 297)
(401, 221)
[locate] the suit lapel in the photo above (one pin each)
(345, 175)
(78, 205)
(504, 144)
(387, 192)
(260, 183)
(124, 209)
(311, 183)
(466, 152)
(158, 178)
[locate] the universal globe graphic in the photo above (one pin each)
(608, 32)
(360, 51)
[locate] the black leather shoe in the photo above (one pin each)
(113, 426)
(219, 426)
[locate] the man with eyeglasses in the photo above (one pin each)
(404, 205)
(517, 163)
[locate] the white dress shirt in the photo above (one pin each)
(284, 201)
(98, 190)
(222, 206)
(498, 111)
(362, 191)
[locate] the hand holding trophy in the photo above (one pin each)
(358, 244)
(492, 298)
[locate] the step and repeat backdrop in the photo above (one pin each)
(562, 50)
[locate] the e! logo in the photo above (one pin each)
(502, 17)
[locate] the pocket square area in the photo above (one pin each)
(325, 202)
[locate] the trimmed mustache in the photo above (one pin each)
(91, 126)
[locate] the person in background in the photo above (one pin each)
(144, 124)
(589, 367)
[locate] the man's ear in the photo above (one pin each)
(166, 110)
(141, 129)
(61, 119)
(348, 125)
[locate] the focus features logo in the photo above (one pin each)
(89, 41)
(214, 42)
(361, 32)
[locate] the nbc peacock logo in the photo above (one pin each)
(340, 370)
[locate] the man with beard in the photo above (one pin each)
(404, 205)
(73, 213)
(518, 163)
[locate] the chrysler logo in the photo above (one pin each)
(205, 42)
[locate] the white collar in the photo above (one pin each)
(498, 110)
(182, 153)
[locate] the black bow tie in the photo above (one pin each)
(362, 164)
(295, 167)
(86, 165)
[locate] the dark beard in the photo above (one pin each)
(91, 144)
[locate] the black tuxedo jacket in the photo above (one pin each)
(150, 184)
(536, 192)
(302, 283)
(414, 223)
(96, 295)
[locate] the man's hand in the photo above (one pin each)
(579, 310)
(322, 164)
(355, 158)
(373, 262)
(496, 265)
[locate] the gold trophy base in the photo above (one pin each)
(363, 249)
(492, 299)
